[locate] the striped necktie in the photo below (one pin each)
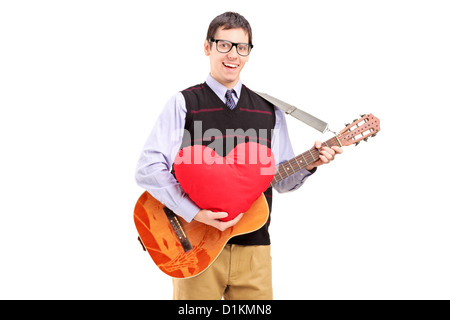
(229, 99)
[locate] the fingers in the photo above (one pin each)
(223, 225)
(217, 215)
(337, 150)
(213, 219)
(209, 217)
(318, 145)
(327, 154)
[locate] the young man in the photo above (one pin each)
(243, 269)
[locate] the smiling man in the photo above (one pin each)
(243, 270)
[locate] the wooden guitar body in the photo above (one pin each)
(181, 249)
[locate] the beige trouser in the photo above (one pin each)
(239, 273)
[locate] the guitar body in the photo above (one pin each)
(160, 231)
(183, 250)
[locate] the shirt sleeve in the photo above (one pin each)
(153, 171)
(282, 149)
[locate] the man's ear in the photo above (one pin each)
(207, 48)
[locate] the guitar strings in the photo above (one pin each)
(301, 161)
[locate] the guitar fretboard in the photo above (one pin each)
(294, 165)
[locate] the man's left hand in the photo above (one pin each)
(326, 155)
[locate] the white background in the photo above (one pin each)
(82, 82)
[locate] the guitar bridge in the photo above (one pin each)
(178, 228)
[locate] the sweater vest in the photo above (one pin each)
(208, 120)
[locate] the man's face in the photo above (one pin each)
(226, 67)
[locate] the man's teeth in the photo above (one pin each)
(230, 65)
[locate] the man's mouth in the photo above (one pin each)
(230, 65)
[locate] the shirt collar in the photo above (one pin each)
(220, 90)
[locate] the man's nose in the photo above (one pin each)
(233, 53)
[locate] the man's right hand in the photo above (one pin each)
(213, 219)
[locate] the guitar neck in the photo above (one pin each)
(296, 164)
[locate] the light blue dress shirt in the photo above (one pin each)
(153, 171)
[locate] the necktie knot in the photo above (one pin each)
(229, 99)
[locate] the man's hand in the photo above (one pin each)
(212, 218)
(326, 155)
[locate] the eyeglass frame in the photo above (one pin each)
(233, 44)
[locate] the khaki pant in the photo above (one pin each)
(239, 273)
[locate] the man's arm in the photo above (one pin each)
(153, 171)
(282, 149)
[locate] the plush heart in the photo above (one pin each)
(229, 184)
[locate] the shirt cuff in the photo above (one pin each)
(187, 209)
(312, 171)
(304, 174)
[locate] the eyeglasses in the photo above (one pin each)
(224, 46)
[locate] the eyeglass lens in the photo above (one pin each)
(224, 46)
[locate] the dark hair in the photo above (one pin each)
(229, 20)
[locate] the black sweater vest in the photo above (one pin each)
(252, 119)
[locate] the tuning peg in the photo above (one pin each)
(374, 135)
(366, 139)
(346, 124)
(363, 115)
(357, 143)
(355, 120)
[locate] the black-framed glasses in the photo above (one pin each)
(225, 46)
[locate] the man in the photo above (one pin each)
(243, 269)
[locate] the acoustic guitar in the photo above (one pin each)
(183, 250)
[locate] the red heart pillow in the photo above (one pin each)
(231, 183)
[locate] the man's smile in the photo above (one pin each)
(230, 65)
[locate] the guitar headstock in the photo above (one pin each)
(361, 129)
